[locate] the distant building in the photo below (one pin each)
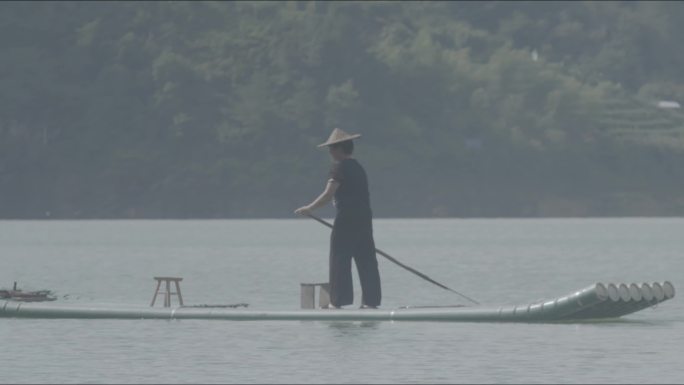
(668, 104)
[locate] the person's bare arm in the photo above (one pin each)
(322, 200)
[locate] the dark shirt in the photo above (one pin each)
(352, 199)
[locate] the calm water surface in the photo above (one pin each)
(262, 262)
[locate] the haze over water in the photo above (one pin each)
(262, 262)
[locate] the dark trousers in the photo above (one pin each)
(353, 239)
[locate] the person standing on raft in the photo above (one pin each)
(352, 234)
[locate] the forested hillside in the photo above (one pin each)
(213, 109)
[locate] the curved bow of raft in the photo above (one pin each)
(598, 301)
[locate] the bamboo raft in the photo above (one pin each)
(598, 301)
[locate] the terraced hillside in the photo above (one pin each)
(641, 122)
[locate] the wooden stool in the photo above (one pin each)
(168, 293)
(308, 295)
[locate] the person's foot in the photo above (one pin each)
(330, 306)
(368, 307)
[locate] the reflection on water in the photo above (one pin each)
(355, 328)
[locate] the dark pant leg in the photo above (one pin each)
(341, 286)
(367, 266)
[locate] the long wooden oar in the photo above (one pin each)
(412, 270)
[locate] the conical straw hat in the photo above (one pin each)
(338, 136)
